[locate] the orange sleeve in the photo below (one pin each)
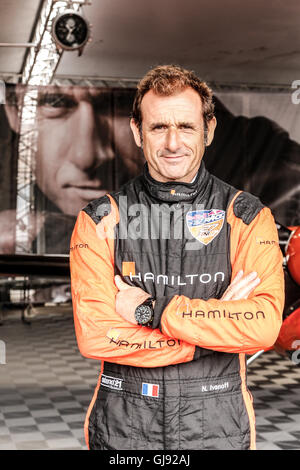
(102, 333)
(239, 326)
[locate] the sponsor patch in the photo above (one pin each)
(128, 268)
(150, 390)
(111, 382)
(205, 225)
(113, 334)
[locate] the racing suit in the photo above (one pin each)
(180, 384)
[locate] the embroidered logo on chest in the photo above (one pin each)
(205, 225)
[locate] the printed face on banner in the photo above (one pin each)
(74, 139)
(76, 146)
(80, 147)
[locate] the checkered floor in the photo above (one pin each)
(275, 385)
(46, 386)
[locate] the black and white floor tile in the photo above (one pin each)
(46, 387)
(275, 385)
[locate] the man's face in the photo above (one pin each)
(172, 134)
(74, 141)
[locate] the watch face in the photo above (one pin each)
(70, 30)
(143, 314)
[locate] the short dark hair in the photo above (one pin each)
(168, 79)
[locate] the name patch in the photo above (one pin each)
(215, 387)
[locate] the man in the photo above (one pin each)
(83, 151)
(76, 145)
(172, 287)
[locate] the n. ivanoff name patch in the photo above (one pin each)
(205, 225)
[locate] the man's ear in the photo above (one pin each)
(136, 132)
(211, 125)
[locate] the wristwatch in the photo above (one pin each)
(144, 312)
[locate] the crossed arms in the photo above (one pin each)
(246, 319)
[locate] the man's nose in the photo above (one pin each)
(85, 142)
(173, 140)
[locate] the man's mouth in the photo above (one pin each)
(96, 184)
(172, 158)
(87, 190)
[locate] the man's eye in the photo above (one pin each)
(56, 101)
(186, 127)
(52, 105)
(159, 127)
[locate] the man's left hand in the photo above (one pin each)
(128, 298)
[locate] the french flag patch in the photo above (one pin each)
(150, 390)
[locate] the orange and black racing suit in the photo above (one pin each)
(182, 383)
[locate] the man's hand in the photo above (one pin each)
(241, 286)
(128, 298)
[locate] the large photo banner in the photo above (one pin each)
(60, 149)
(76, 145)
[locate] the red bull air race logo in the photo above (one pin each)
(205, 225)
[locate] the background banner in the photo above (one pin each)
(81, 146)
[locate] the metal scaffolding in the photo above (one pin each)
(39, 68)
